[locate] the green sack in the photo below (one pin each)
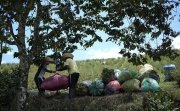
(131, 85)
(126, 74)
(150, 74)
(81, 89)
(96, 88)
(149, 84)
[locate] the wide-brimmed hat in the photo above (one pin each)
(67, 55)
(48, 59)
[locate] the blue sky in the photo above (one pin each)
(98, 50)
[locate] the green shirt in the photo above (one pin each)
(72, 66)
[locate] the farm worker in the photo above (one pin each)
(39, 77)
(71, 66)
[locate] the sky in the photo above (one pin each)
(100, 50)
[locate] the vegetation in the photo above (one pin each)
(8, 81)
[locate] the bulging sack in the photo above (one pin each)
(81, 89)
(113, 87)
(149, 84)
(145, 68)
(87, 82)
(131, 85)
(150, 74)
(55, 82)
(96, 88)
(127, 74)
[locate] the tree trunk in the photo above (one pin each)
(19, 102)
(1, 44)
(24, 66)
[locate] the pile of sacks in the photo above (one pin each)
(117, 81)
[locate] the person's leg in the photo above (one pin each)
(73, 79)
(36, 81)
(41, 91)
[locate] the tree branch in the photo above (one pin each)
(3, 38)
(30, 5)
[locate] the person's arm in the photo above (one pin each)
(50, 71)
(61, 68)
(47, 70)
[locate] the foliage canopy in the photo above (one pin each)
(39, 25)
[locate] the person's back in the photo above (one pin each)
(71, 66)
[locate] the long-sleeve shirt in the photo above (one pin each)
(41, 71)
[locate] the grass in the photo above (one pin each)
(172, 88)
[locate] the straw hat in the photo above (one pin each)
(48, 59)
(66, 55)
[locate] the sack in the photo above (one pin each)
(113, 87)
(131, 85)
(150, 74)
(87, 82)
(127, 75)
(81, 89)
(116, 73)
(96, 88)
(149, 84)
(145, 68)
(55, 82)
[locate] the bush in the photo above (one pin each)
(107, 75)
(176, 76)
(159, 101)
(8, 81)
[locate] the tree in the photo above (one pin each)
(35, 26)
(136, 24)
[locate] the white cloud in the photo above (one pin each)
(176, 42)
(104, 53)
(100, 53)
(3, 62)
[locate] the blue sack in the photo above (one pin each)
(96, 88)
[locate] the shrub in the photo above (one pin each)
(107, 75)
(8, 81)
(176, 76)
(159, 101)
